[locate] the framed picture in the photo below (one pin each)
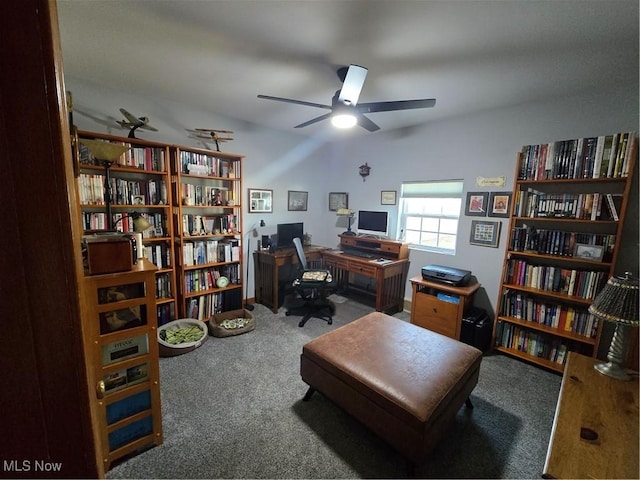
(137, 199)
(338, 200)
(477, 203)
(589, 252)
(485, 233)
(297, 201)
(260, 201)
(499, 204)
(388, 197)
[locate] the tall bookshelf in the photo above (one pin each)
(207, 213)
(568, 210)
(140, 183)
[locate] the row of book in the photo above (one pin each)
(200, 164)
(535, 344)
(585, 206)
(163, 286)
(579, 283)
(193, 225)
(166, 312)
(591, 157)
(566, 318)
(211, 251)
(91, 191)
(204, 195)
(123, 222)
(205, 278)
(159, 254)
(558, 242)
(144, 158)
(205, 306)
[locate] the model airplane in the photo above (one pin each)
(134, 123)
(216, 136)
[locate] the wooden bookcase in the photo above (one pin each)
(123, 351)
(564, 240)
(207, 213)
(141, 183)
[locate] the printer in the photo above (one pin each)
(448, 275)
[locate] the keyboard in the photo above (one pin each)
(359, 253)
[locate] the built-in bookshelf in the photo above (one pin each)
(569, 204)
(139, 183)
(207, 213)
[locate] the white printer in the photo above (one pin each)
(448, 275)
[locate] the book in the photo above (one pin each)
(611, 206)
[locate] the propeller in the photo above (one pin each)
(345, 101)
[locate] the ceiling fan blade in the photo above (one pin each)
(397, 105)
(352, 86)
(297, 102)
(313, 120)
(366, 123)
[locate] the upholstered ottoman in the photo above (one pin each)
(403, 382)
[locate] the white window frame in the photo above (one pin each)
(426, 190)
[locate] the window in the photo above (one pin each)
(429, 214)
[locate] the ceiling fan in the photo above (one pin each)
(345, 106)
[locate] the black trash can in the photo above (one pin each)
(476, 328)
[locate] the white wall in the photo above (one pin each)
(484, 144)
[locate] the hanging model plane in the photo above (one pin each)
(211, 135)
(134, 123)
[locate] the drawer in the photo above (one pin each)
(337, 262)
(362, 269)
(436, 315)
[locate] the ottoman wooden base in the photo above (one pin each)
(405, 383)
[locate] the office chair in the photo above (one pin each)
(312, 287)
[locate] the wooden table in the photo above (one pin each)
(595, 430)
(267, 265)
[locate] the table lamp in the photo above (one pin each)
(617, 303)
(346, 212)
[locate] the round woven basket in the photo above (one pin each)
(166, 349)
(217, 330)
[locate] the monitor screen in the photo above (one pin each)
(287, 232)
(373, 223)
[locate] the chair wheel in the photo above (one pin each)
(301, 324)
(286, 314)
(330, 321)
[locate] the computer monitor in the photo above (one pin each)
(287, 232)
(373, 223)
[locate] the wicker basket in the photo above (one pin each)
(217, 331)
(169, 350)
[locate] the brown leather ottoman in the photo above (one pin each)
(403, 382)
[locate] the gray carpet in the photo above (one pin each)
(233, 409)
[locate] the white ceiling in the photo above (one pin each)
(470, 55)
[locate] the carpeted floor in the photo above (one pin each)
(233, 409)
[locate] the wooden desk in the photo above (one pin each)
(266, 266)
(390, 276)
(430, 311)
(595, 429)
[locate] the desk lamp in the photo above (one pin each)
(346, 212)
(106, 153)
(617, 303)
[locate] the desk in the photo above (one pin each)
(595, 429)
(266, 266)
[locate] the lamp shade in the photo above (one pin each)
(105, 151)
(345, 212)
(618, 301)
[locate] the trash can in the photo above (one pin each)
(476, 328)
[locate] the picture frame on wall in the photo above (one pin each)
(260, 200)
(297, 201)
(477, 204)
(388, 197)
(499, 204)
(485, 233)
(338, 200)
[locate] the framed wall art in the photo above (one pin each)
(297, 201)
(260, 201)
(499, 204)
(589, 252)
(477, 203)
(338, 200)
(388, 197)
(485, 233)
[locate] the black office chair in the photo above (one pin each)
(312, 287)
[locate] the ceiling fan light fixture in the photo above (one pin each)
(344, 120)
